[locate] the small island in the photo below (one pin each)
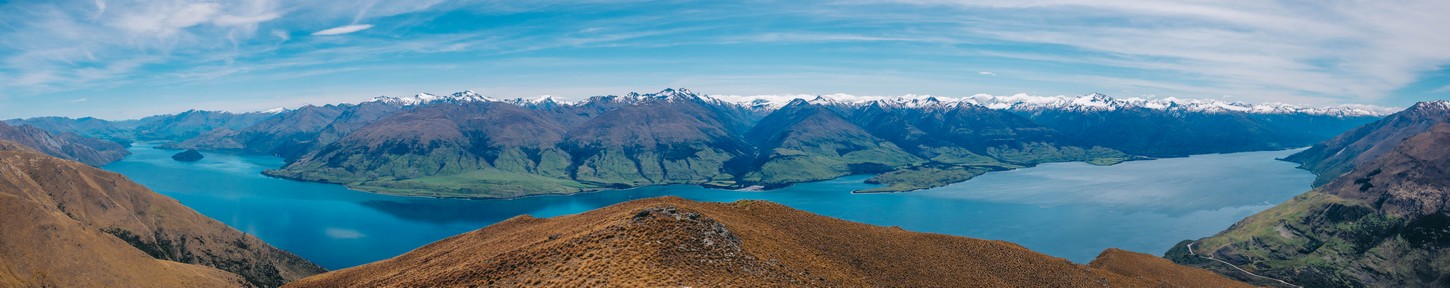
(190, 155)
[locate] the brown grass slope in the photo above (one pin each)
(1162, 272)
(66, 224)
(671, 241)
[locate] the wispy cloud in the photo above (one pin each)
(342, 29)
(1356, 49)
(1315, 53)
(1442, 89)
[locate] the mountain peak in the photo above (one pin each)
(667, 95)
(672, 94)
(1437, 105)
(797, 102)
(428, 98)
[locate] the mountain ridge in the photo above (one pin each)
(94, 152)
(71, 225)
(678, 136)
(1383, 222)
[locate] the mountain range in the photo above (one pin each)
(1378, 216)
(91, 151)
(468, 145)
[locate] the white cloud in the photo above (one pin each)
(342, 29)
(1442, 89)
(1361, 50)
(59, 45)
(282, 35)
(986, 73)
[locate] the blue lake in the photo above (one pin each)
(1069, 210)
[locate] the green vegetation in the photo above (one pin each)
(964, 157)
(922, 177)
(621, 166)
(1316, 235)
(487, 183)
(1038, 153)
(793, 166)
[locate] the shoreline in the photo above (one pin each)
(742, 188)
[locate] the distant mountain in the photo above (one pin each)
(353, 118)
(91, 151)
(480, 148)
(1337, 156)
(669, 137)
(115, 131)
(1170, 127)
(193, 123)
(1163, 127)
(63, 224)
(935, 125)
(1383, 223)
(680, 243)
(288, 134)
(435, 144)
(677, 136)
(806, 142)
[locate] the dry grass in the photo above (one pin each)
(1156, 269)
(670, 241)
(65, 224)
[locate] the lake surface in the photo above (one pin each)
(1069, 210)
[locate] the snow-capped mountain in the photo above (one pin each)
(1084, 103)
(426, 98)
(1100, 102)
(1018, 102)
(667, 95)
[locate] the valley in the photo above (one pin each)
(1068, 210)
(467, 145)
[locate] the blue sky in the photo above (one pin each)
(126, 59)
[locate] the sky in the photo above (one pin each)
(128, 59)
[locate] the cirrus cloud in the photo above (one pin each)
(345, 29)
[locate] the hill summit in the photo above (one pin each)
(670, 241)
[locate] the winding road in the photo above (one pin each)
(1190, 252)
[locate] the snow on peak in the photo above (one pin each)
(541, 101)
(667, 95)
(1437, 105)
(426, 98)
(275, 110)
(1017, 102)
(1087, 102)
